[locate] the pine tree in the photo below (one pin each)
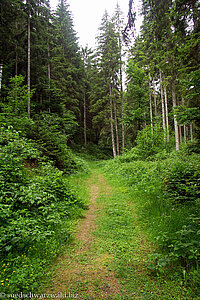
(108, 49)
(66, 66)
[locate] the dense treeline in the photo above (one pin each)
(85, 88)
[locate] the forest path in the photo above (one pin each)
(108, 258)
(82, 272)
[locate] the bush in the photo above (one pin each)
(36, 205)
(166, 194)
(149, 143)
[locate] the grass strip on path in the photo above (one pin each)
(109, 256)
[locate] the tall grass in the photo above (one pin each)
(166, 194)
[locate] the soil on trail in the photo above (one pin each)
(83, 270)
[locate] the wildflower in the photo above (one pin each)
(153, 220)
(13, 271)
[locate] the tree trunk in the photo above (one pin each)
(150, 105)
(122, 98)
(49, 77)
(85, 122)
(16, 55)
(185, 134)
(111, 124)
(180, 134)
(29, 66)
(1, 73)
(154, 95)
(116, 126)
(166, 113)
(175, 120)
(163, 107)
(122, 103)
(191, 132)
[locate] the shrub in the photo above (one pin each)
(166, 194)
(36, 205)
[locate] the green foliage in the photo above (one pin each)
(149, 143)
(185, 115)
(182, 179)
(14, 109)
(166, 194)
(17, 98)
(52, 133)
(36, 206)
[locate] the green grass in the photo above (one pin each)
(171, 225)
(120, 234)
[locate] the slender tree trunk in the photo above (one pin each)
(154, 95)
(122, 103)
(111, 123)
(29, 66)
(150, 105)
(85, 121)
(49, 76)
(191, 132)
(163, 107)
(16, 55)
(166, 113)
(185, 134)
(116, 126)
(16, 63)
(175, 120)
(1, 73)
(180, 134)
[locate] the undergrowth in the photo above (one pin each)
(37, 206)
(166, 193)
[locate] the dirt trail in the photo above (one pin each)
(83, 270)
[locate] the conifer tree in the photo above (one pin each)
(66, 66)
(108, 49)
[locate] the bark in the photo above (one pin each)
(116, 126)
(154, 95)
(150, 105)
(49, 76)
(122, 103)
(85, 122)
(180, 134)
(163, 106)
(1, 73)
(16, 55)
(191, 131)
(111, 124)
(185, 134)
(29, 65)
(175, 120)
(166, 113)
